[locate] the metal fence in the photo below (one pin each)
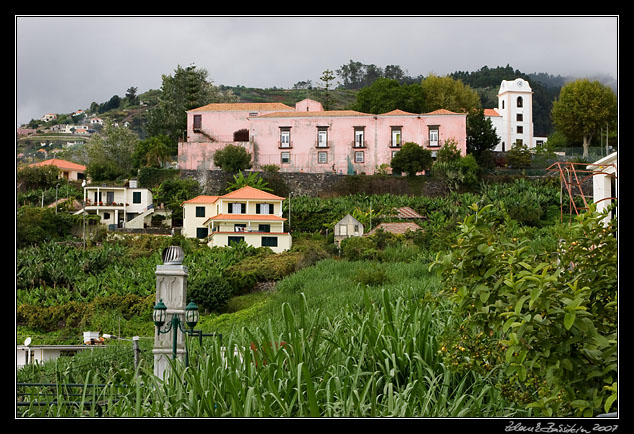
(55, 388)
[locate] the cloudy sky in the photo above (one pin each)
(64, 63)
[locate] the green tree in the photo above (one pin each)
(173, 192)
(481, 138)
(326, 77)
(34, 177)
(582, 109)
(131, 96)
(519, 157)
(36, 225)
(386, 94)
(111, 151)
(232, 158)
(186, 89)
(153, 151)
(449, 94)
(252, 180)
(412, 159)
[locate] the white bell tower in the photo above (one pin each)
(515, 106)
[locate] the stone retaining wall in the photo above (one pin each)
(213, 182)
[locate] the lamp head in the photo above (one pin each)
(159, 313)
(191, 314)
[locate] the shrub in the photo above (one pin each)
(519, 156)
(358, 249)
(232, 158)
(36, 225)
(411, 159)
(547, 320)
(209, 289)
(458, 172)
(374, 276)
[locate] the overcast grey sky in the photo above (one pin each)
(64, 63)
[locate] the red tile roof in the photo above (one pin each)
(243, 106)
(443, 112)
(326, 113)
(406, 212)
(399, 113)
(62, 164)
(396, 228)
(491, 112)
(202, 199)
(248, 192)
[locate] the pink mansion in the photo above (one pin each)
(305, 138)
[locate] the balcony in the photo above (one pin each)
(359, 144)
(323, 145)
(113, 204)
(285, 145)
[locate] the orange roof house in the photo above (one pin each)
(69, 170)
(247, 214)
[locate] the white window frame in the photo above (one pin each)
(356, 157)
(434, 136)
(322, 138)
(288, 157)
(397, 137)
(285, 138)
(359, 134)
(322, 157)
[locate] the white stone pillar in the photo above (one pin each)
(171, 287)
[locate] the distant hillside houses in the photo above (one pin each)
(71, 129)
(48, 117)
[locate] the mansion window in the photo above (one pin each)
(322, 137)
(396, 137)
(359, 137)
(197, 122)
(359, 157)
(200, 211)
(241, 135)
(285, 137)
(322, 157)
(434, 136)
(285, 157)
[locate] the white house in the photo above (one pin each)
(247, 214)
(513, 118)
(34, 354)
(121, 207)
(604, 181)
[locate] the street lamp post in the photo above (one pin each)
(170, 312)
(175, 324)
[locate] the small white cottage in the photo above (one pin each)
(347, 227)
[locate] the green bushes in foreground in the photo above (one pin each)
(548, 317)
